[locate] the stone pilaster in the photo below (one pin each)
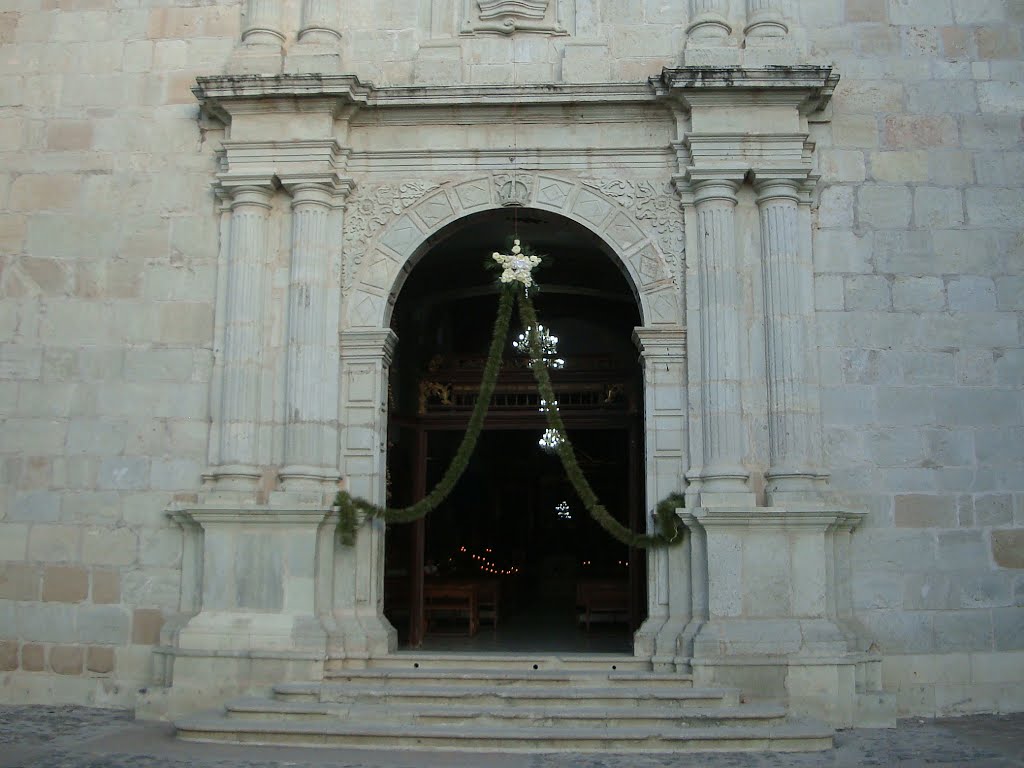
(234, 449)
(263, 23)
(718, 288)
(663, 352)
(793, 417)
(311, 392)
(360, 630)
(764, 20)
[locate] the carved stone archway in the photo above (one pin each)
(637, 226)
(758, 597)
(388, 225)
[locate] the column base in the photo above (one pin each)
(189, 681)
(217, 631)
(304, 478)
(837, 689)
(763, 26)
(356, 637)
(233, 478)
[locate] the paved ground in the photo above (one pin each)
(79, 737)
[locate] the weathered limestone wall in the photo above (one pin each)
(919, 256)
(109, 239)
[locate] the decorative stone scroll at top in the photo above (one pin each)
(505, 17)
(657, 209)
(369, 212)
(529, 9)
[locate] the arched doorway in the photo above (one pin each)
(513, 539)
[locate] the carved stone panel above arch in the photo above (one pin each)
(388, 224)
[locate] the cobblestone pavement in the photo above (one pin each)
(80, 737)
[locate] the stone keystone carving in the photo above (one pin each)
(513, 190)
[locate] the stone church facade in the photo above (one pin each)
(209, 212)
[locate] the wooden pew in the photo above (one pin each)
(604, 598)
(451, 601)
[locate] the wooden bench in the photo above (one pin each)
(607, 599)
(488, 600)
(453, 603)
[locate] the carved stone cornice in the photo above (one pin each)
(229, 94)
(806, 87)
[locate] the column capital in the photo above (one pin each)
(698, 185)
(238, 189)
(795, 183)
(368, 345)
(326, 189)
(657, 342)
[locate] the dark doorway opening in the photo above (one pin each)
(512, 560)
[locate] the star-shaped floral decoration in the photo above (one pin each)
(516, 267)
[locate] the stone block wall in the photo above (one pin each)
(109, 235)
(919, 257)
(108, 247)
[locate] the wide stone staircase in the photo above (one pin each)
(491, 702)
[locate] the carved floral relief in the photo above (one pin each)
(369, 211)
(653, 208)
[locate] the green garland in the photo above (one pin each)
(669, 526)
(353, 511)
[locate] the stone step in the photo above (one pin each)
(787, 736)
(546, 716)
(485, 693)
(539, 678)
(595, 716)
(499, 661)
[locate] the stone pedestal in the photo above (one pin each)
(777, 619)
(251, 603)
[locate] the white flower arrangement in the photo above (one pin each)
(516, 267)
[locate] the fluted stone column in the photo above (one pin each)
(709, 19)
(235, 459)
(263, 23)
(789, 312)
(764, 19)
(319, 22)
(311, 387)
(720, 306)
